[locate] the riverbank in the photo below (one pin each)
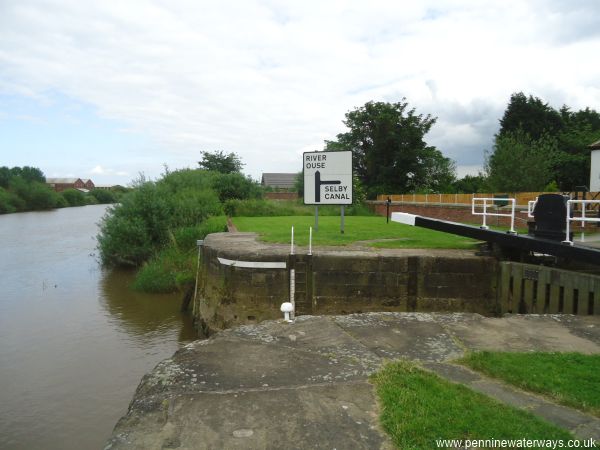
(306, 385)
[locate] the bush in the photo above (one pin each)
(235, 186)
(103, 196)
(73, 197)
(155, 210)
(271, 208)
(169, 271)
(6, 202)
(186, 237)
(124, 240)
(34, 195)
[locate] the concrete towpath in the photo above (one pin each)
(305, 385)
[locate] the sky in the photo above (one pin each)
(114, 89)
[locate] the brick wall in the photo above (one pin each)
(281, 195)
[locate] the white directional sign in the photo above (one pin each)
(327, 178)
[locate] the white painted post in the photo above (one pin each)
(484, 226)
(567, 240)
(292, 248)
(512, 217)
(310, 241)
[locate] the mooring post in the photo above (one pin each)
(387, 210)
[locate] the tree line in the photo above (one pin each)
(536, 148)
(25, 189)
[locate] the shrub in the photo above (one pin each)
(170, 270)
(235, 186)
(34, 195)
(186, 237)
(103, 196)
(124, 240)
(271, 208)
(73, 197)
(6, 202)
(264, 208)
(155, 210)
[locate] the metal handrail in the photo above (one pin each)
(485, 213)
(581, 218)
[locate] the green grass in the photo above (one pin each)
(357, 228)
(572, 379)
(418, 407)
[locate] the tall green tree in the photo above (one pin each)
(389, 150)
(532, 115)
(534, 126)
(520, 163)
(220, 162)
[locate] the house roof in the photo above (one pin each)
(62, 180)
(595, 145)
(279, 180)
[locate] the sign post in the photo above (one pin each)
(327, 181)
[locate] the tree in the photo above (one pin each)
(470, 184)
(389, 151)
(532, 115)
(571, 131)
(220, 162)
(521, 163)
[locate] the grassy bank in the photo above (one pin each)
(572, 379)
(418, 408)
(357, 228)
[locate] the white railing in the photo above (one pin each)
(484, 203)
(581, 218)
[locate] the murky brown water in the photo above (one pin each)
(74, 340)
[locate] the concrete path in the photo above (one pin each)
(305, 385)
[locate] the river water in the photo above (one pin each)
(74, 339)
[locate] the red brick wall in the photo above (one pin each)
(462, 214)
(281, 195)
(453, 213)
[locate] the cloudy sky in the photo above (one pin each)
(110, 89)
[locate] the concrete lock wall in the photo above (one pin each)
(335, 281)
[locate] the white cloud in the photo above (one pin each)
(269, 79)
(98, 170)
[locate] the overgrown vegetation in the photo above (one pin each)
(418, 408)
(372, 230)
(264, 208)
(568, 378)
(155, 227)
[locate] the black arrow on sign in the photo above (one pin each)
(319, 183)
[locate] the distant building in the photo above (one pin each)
(61, 184)
(279, 180)
(89, 184)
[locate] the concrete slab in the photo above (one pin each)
(321, 417)
(305, 385)
(402, 335)
(521, 333)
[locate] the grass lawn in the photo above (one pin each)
(357, 228)
(572, 379)
(418, 408)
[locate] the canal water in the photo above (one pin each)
(74, 339)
